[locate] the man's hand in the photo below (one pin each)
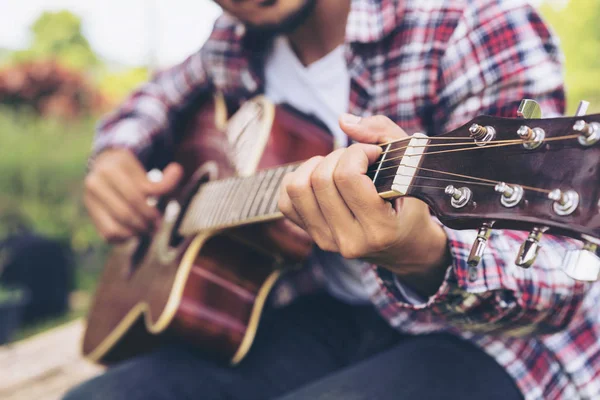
(338, 205)
(116, 193)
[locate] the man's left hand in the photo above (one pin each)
(334, 200)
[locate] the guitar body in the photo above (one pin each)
(208, 289)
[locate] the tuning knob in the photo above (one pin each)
(530, 248)
(584, 264)
(529, 109)
(480, 244)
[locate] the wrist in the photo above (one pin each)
(425, 263)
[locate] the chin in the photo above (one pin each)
(270, 16)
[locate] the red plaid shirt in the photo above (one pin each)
(430, 66)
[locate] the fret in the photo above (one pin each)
(228, 202)
(273, 204)
(197, 211)
(251, 198)
(227, 188)
(209, 208)
(206, 204)
(238, 208)
(268, 195)
(381, 161)
(264, 181)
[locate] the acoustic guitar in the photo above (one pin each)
(206, 274)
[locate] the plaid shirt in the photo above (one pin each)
(430, 66)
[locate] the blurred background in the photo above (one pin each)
(65, 62)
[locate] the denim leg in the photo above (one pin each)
(295, 346)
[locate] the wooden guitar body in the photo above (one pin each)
(209, 288)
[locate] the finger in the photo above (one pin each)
(356, 188)
(132, 192)
(118, 208)
(171, 178)
(285, 204)
(300, 193)
(374, 129)
(337, 214)
(107, 226)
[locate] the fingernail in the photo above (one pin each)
(350, 119)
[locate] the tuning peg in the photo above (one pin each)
(532, 138)
(480, 244)
(511, 194)
(583, 264)
(482, 134)
(530, 248)
(582, 108)
(460, 197)
(590, 133)
(529, 109)
(565, 203)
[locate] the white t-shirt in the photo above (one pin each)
(321, 89)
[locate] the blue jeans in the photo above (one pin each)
(317, 348)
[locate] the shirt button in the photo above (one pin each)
(473, 274)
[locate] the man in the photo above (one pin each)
(494, 331)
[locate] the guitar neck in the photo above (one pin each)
(235, 201)
(243, 200)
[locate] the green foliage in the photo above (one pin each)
(579, 31)
(115, 86)
(43, 165)
(58, 35)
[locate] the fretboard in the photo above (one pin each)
(235, 201)
(239, 201)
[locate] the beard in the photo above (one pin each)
(287, 25)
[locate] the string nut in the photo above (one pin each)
(511, 194)
(460, 196)
(590, 133)
(482, 134)
(533, 138)
(565, 203)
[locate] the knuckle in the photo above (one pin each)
(381, 120)
(350, 249)
(91, 183)
(319, 179)
(324, 242)
(296, 188)
(342, 175)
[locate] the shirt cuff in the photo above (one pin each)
(409, 295)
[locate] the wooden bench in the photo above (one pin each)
(46, 365)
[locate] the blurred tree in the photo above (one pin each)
(58, 35)
(576, 23)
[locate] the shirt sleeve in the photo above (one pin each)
(141, 123)
(497, 55)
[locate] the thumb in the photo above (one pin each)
(375, 129)
(171, 176)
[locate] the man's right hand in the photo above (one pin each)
(116, 193)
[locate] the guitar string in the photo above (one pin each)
(447, 145)
(494, 143)
(466, 177)
(493, 184)
(469, 149)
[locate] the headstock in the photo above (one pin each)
(540, 175)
